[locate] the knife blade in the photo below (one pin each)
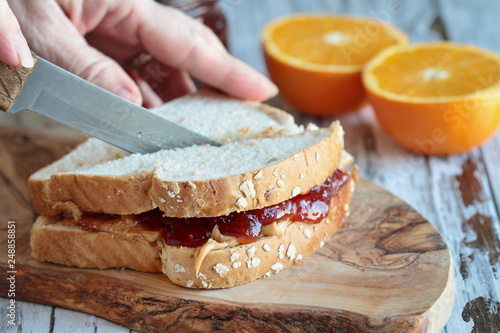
(60, 95)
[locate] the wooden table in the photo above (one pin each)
(459, 194)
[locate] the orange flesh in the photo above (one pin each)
(333, 41)
(437, 72)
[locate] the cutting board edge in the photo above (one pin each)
(432, 320)
(440, 312)
(253, 315)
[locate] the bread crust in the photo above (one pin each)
(112, 195)
(72, 246)
(39, 192)
(102, 194)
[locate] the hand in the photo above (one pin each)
(14, 50)
(97, 40)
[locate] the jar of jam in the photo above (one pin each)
(207, 11)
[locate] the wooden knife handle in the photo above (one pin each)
(12, 80)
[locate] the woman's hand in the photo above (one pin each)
(98, 39)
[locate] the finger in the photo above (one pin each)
(228, 74)
(190, 46)
(121, 51)
(150, 98)
(101, 70)
(13, 47)
(169, 83)
(55, 38)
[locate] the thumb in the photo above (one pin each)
(13, 47)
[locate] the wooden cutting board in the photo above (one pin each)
(387, 270)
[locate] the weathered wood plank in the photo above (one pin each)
(475, 22)
(244, 29)
(82, 322)
(30, 317)
(491, 157)
(469, 224)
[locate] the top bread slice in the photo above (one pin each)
(266, 159)
(228, 119)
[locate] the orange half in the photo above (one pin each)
(316, 60)
(438, 98)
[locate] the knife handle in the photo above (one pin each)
(12, 80)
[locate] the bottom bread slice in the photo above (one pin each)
(122, 245)
(60, 242)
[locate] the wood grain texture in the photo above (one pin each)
(12, 80)
(387, 270)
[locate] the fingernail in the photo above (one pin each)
(276, 90)
(127, 94)
(23, 52)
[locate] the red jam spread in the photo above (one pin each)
(246, 226)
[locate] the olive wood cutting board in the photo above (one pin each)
(387, 270)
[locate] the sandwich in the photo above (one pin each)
(207, 217)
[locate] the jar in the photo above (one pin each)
(206, 11)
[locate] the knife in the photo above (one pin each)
(71, 100)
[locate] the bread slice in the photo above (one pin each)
(211, 114)
(225, 118)
(63, 242)
(119, 243)
(195, 181)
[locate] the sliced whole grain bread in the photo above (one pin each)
(65, 242)
(266, 159)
